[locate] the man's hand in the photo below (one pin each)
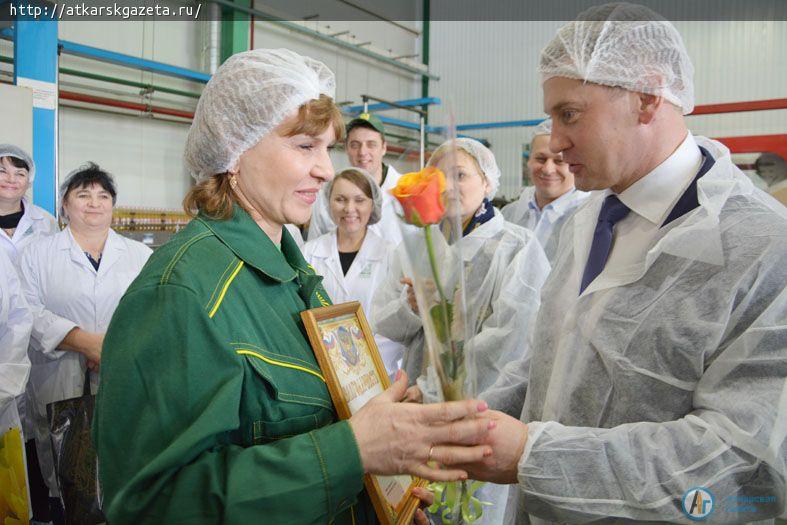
(507, 440)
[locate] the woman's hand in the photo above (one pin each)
(427, 498)
(86, 343)
(413, 395)
(410, 294)
(401, 438)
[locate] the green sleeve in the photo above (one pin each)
(167, 416)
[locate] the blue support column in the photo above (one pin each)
(35, 66)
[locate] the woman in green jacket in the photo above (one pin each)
(212, 408)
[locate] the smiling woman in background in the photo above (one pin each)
(21, 221)
(73, 281)
(353, 258)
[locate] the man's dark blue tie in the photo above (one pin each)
(611, 212)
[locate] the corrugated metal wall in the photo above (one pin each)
(489, 71)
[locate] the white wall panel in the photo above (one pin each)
(144, 155)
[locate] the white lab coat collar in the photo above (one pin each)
(655, 194)
(29, 221)
(327, 245)
(326, 248)
(474, 240)
(33, 212)
(112, 253)
(390, 179)
(565, 201)
(696, 236)
(527, 194)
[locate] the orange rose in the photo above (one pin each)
(421, 195)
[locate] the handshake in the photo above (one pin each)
(440, 442)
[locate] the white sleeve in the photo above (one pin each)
(392, 316)
(49, 329)
(503, 336)
(16, 322)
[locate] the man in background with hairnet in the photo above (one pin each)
(656, 384)
(545, 206)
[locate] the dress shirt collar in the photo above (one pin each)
(654, 195)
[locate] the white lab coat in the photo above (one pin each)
(363, 278)
(64, 291)
(547, 223)
(664, 375)
(389, 227)
(36, 222)
(16, 322)
(504, 268)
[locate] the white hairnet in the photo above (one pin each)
(482, 155)
(623, 45)
(377, 196)
(68, 180)
(248, 96)
(9, 150)
(545, 128)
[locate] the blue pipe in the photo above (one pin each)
(503, 124)
(382, 107)
(132, 62)
(440, 130)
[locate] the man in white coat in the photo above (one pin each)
(365, 147)
(545, 206)
(657, 382)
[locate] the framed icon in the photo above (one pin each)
(347, 354)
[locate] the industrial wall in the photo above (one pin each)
(489, 72)
(143, 150)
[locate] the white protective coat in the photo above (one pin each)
(663, 376)
(365, 276)
(547, 226)
(504, 270)
(35, 222)
(64, 292)
(16, 322)
(388, 227)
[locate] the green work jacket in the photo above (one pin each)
(212, 407)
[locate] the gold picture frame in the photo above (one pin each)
(347, 354)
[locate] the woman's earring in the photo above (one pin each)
(233, 182)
